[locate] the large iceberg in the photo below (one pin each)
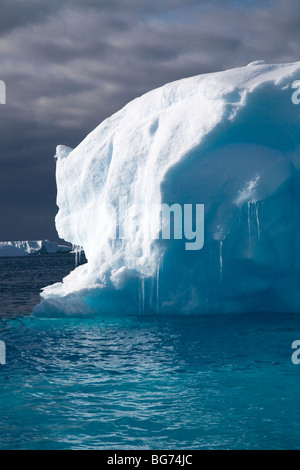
(228, 140)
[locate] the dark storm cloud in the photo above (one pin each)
(70, 64)
(18, 13)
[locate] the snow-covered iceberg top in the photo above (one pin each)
(228, 140)
(31, 247)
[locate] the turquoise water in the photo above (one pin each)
(205, 382)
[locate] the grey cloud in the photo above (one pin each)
(68, 65)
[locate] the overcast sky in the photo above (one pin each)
(70, 64)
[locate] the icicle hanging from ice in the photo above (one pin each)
(249, 223)
(221, 261)
(253, 220)
(77, 256)
(142, 296)
(254, 225)
(77, 250)
(257, 220)
(75, 253)
(151, 292)
(157, 289)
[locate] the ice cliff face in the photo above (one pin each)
(228, 140)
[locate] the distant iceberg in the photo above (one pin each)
(8, 250)
(31, 247)
(228, 140)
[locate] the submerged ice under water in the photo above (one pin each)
(149, 293)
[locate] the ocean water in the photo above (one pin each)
(203, 382)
